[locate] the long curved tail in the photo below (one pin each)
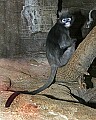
(11, 98)
(46, 85)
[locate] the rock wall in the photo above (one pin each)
(25, 34)
(33, 34)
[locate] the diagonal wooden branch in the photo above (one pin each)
(81, 60)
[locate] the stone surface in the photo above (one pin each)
(54, 103)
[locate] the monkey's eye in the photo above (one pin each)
(68, 19)
(64, 20)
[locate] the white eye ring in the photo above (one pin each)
(69, 19)
(63, 20)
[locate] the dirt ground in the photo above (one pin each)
(54, 103)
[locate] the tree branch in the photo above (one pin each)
(81, 60)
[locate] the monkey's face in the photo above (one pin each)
(66, 20)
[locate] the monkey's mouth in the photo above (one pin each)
(67, 25)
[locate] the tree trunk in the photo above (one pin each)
(81, 60)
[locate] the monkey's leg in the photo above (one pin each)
(67, 55)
